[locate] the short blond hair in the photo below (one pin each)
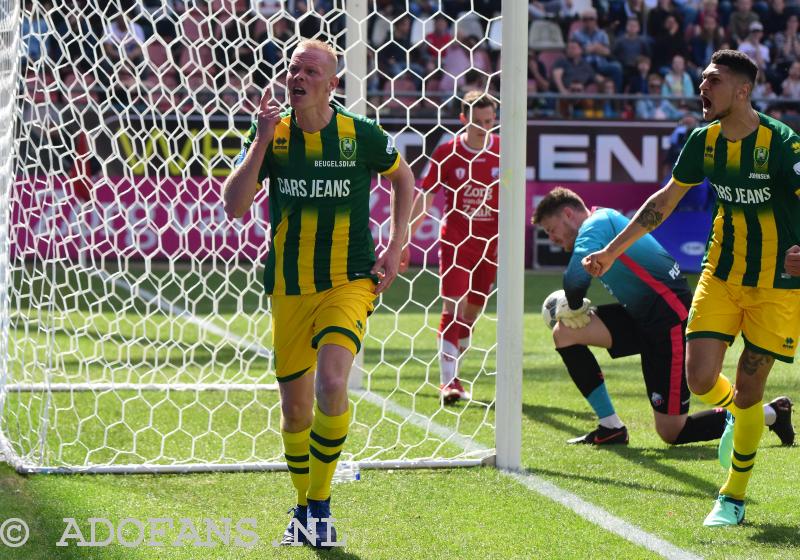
(477, 99)
(320, 46)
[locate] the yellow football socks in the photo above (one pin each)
(295, 448)
(747, 430)
(720, 395)
(327, 439)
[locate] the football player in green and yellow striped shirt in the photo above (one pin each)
(750, 281)
(321, 272)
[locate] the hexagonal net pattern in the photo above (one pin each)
(137, 335)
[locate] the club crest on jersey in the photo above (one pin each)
(796, 147)
(347, 147)
(460, 173)
(760, 157)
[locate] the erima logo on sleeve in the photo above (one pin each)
(389, 144)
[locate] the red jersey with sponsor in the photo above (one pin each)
(470, 180)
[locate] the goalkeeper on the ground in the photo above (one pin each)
(650, 320)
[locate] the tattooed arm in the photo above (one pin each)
(655, 210)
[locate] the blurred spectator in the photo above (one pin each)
(629, 47)
(163, 16)
(77, 47)
(272, 40)
(790, 89)
(710, 8)
(123, 40)
(596, 47)
(234, 48)
(740, 20)
(653, 108)
(544, 34)
(579, 107)
(440, 38)
(572, 69)
(668, 43)
(763, 94)
(537, 72)
(469, 24)
(611, 108)
(706, 42)
(677, 82)
(35, 30)
(688, 11)
(638, 82)
(266, 8)
(635, 9)
(786, 45)
(754, 48)
(474, 80)
(537, 82)
(309, 22)
(774, 19)
(464, 55)
(381, 22)
(400, 94)
(658, 16)
(399, 55)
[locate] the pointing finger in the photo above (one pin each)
(265, 99)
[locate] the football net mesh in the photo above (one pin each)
(137, 335)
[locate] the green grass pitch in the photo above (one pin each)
(460, 513)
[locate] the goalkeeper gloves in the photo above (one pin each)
(573, 318)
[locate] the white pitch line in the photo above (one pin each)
(588, 511)
(578, 505)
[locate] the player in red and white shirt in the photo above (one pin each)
(467, 167)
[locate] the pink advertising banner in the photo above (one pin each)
(172, 219)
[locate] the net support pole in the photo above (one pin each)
(10, 21)
(355, 95)
(511, 249)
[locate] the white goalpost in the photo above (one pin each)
(134, 332)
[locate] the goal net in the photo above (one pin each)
(135, 332)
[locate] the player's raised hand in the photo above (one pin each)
(387, 266)
(792, 261)
(598, 263)
(269, 114)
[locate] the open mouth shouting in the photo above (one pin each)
(297, 92)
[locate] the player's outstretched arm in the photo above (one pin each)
(241, 186)
(792, 261)
(655, 210)
(387, 265)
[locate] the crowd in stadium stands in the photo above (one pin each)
(176, 53)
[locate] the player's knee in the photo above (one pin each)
(296, 414)
(563, 336)
(330, 383)
(699, 381)
(668, 432)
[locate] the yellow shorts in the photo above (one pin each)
(302, 324)
(768, 318)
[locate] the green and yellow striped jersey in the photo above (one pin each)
(319, 190)
(757, 215)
